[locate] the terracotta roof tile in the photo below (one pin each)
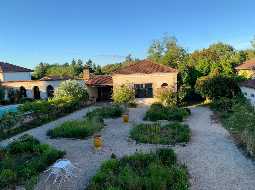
(100, 80)
(250, 64)
(145, 66)
(7, 67)
(248, 83)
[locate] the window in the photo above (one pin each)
(143, 90)
(252, 95)
(245, 93)
(50, 91)
(164, 85)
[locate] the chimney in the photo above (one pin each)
(86, 73)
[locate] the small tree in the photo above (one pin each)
(215, 87)
(123, 94)
(167, 97)
(71, 89)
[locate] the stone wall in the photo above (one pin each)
(30, 84)
(157, 80)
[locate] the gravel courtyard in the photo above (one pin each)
(213, 160)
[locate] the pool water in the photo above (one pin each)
(10, 108)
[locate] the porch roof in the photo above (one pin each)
(99, 80)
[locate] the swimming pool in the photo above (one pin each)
(10, 108)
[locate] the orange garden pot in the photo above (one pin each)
(98, 141)
(125, 118)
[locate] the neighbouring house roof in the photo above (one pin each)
(100, 80)
(9, 68)
(53, 78)
(248, 83)
(146, 67)
(250, 64)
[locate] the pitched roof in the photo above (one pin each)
(100, 80)
(250, 64)
(146, 67)
(8, 68)
(248, 83)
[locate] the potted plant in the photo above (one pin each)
(98, 141)
(123, 95)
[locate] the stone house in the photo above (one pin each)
(19, 78)
(247, 69)
(146, 77)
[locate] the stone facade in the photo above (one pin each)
(158, 81)
(30, 85)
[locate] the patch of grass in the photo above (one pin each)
(77, 129)
(152, 171)
(112, 111)
(156, 134)
(23, 160)
(159, 112)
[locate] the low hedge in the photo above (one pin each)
(112, 111)
(77, 129)
(157, 171)
(23, 160)
(92, 122)
(156, 134)
(36, 113)
(159, 112)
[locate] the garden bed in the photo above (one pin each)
(93, 122)
(160, 112)
(77, 129)
(34, 114)
(156, 134)
(238, 116)
(157, 171)
(22, 161)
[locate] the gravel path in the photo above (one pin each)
(213, 160)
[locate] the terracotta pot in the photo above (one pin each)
(98, 141)
(125, 118)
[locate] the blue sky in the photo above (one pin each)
(53, 31)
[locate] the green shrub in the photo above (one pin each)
(23, 161)
(215, 87)
(77, 129)
(222, 104)
(168, 97)
(7, 177)
(157, 171)
(160, 112)
(40, 112)
(156, 134)
(71, 89)
(8, 120)
(112, 111)
(123, 94)
(238, 116)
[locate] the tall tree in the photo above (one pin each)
(40, 70)
(168, 52)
